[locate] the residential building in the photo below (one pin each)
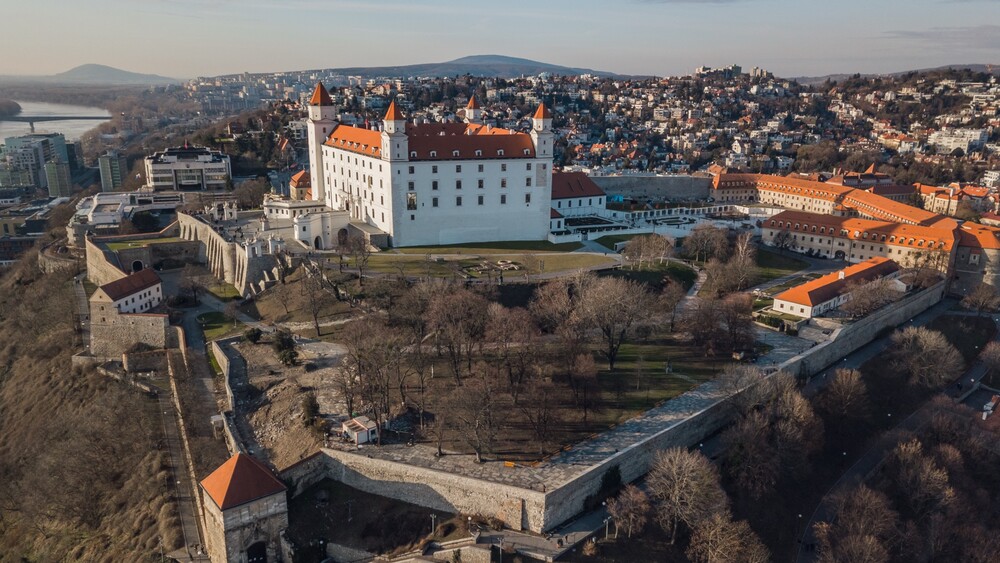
(829, 292)
(135, 293)
(188, 168)
(32, 152)
(429, 183)
(58, 178)
(114, 170)
(948, 140)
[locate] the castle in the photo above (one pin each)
(427, 183)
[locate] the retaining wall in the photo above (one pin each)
(672, 188)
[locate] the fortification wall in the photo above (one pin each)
(219, 254)
(518, 508)
(660, 188)
(112, 333)
(102, 266)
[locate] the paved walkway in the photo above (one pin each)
(83, 309)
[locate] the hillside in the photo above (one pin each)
(95, 74)
(9, 108)
(814, 80)
(476, 65)
(81, 478)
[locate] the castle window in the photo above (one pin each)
(409, 186)
(434, 202)
(503, 199)
(528, 166)
(503, 166)
(434, 169)
(500, 153)
(480, 183)
(411, 202)
(527, 182)
(458, 201)
(480, 166)
(458, 184)
(458, 167)
(527, 198)
(480, 200)
(454, 153)
(434, 185)
(479, 153)
(413, 154)
(503, 182)
(411, 168)
(434, 155)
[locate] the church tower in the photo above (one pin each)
(322, 122)
(395, 145)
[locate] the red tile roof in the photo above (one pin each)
(542, 112)
(131, 284)
(240, 480)
(553, 214)
(883, 232)
(979, 236)
(830, 286)
(574, 184)
(357, 140)
(473, 103)
(393, 113)
(320, 96)
(300, 180)
(439, 141)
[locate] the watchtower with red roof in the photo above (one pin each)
(322, 122)
(245, 509)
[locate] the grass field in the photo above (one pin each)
(772, 266)
(143, 242)
(223, 291)
(216, 325)
(499, 247)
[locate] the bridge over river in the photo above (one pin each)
(32, 119)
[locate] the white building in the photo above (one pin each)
(187, 168)
(429, 183)
(829, 292)
(135, 293)
(947, 140)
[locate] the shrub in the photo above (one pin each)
(252, 335)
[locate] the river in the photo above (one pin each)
(71, 129)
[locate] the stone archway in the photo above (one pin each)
(342, 237)
(318, 243)
(840, 255)
(137, 266)
(257, 553)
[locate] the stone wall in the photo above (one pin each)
(518, 508)
(228, 261)
(113, 333)
(657, 188)
(305, 473)
(102, 265)
(144, 361)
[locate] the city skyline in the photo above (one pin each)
(662, 37)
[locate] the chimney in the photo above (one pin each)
(840, 275)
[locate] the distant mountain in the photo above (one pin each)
(814, 80)
(97, 74)
(495, 66)
(101, 74)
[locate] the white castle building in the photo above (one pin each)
(421, 184)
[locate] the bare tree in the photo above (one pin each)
(925, 356)
(846, 396)
(317, 298)
(863, 526)
(374, 354)
(981, 299)
(283, 294)
(782, 240)
(629, 510)
(864, 298)
(706, 241)
(614, 306)
(721, 540)
(553, 304)
(345, 381)
(474, 413)
(918, 481)
(511, 335)
(670, 300)
(736, 312)
(190, 282)
(751, 460)
(649, 248)
(458, 319)
(686, 487)
(746, 385)
(541, 410)
(743, 263)
(361, 251)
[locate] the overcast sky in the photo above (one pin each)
(187, 38)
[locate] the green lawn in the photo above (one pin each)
(772, 266)
(115, 246)
(653, 276)
(216, 325)
(609, 241)
(223, 291)
(499, 247)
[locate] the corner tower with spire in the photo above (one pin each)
(473, 113)
(395, 146)
(543, 138)
(322, 122)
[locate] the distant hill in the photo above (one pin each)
(97, 74)
(495, 66)
(814, 80)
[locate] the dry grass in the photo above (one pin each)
(77, 452)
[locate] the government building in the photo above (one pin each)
(416, 184)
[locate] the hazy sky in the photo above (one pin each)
(186, 38)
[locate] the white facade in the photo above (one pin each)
(431, 184)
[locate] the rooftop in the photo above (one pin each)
(240, 480)
(832, 285)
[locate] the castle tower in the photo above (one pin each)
(395, 146)
(541, 132)
(473, 113)
(245, 510)
(322, 122)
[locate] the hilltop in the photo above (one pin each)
(813, 80)
(97, 74)
(498, 66)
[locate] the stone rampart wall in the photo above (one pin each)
(113, 333)
(657, 188)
